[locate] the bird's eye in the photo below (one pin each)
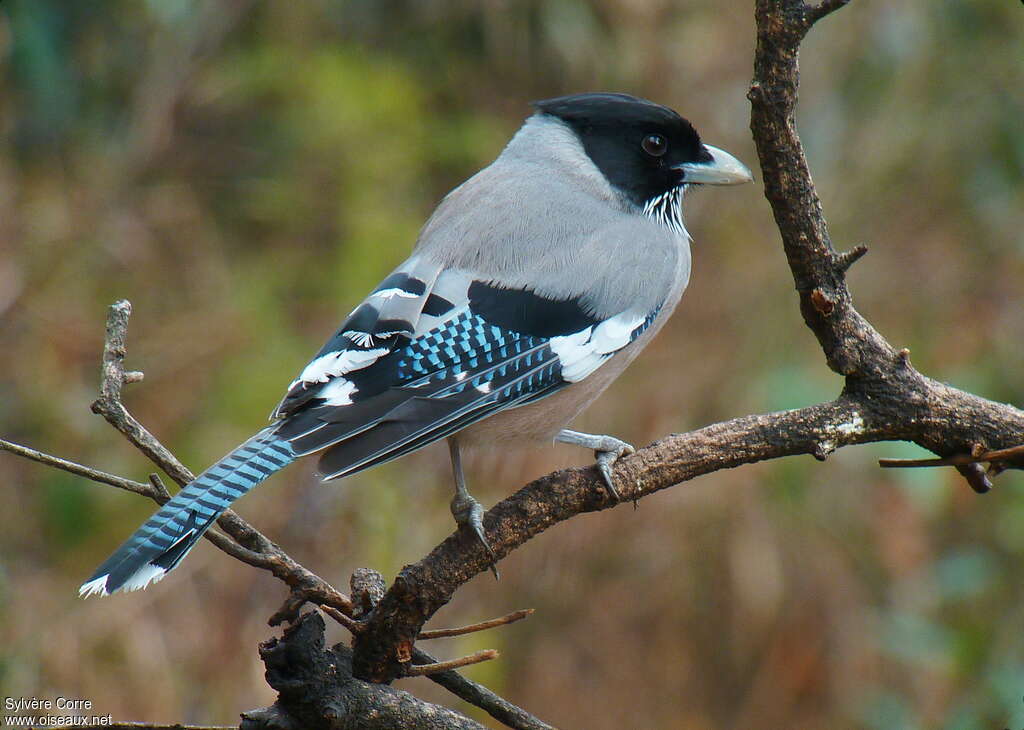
(655, 145)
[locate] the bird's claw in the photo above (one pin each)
(607, 453)
(469, 515)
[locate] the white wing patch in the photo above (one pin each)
(363, 339)
(387, 294)
(582, 353)
(334, 364)
(338, 392)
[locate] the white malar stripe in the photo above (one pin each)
(667, 209)
(338, 363)
(97, 587)
(142, 577)
(338, 392)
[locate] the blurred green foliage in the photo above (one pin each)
(243, 172)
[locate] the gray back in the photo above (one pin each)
(543, 217)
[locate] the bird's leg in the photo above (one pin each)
(467, 511)
(607, 449)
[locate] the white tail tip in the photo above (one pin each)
(97, 586)
(138, 580)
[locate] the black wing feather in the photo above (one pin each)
(451, 365)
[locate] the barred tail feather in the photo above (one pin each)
(166, 537)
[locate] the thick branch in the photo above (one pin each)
(919, 409)
(367, 586)
(421, 589)
(855, 418)
(850, 343)
(316, 690)
(884, 397)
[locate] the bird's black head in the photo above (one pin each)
(638, 145)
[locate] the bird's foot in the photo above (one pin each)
(610, 450)
(607, 450)
(469, 516)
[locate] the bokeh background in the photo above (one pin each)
(244, 172)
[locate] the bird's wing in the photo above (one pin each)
(433, 350)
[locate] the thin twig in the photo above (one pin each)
(843, 261)
(955, 460)
(367, 587)
(476, 694)
(814, 13)
(1003, 454)
(95, 475)
(250, 546)
(349, 623)
(482, 626)
(159, 485)
(155, 491)
(422, 670)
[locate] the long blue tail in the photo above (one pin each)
(166, 537)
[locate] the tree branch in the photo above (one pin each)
(367, 585)
(368, 588)
(424, 670)
(476, 694)
(316, 690)
(481, 626)
(95, 475)
(884, 397)
(250, 545)
(815, 13)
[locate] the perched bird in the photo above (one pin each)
(531, 287)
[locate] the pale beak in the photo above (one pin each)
(721, 169)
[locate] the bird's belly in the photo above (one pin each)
(538, 422)
(541, 421)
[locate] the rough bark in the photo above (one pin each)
(316, 690)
